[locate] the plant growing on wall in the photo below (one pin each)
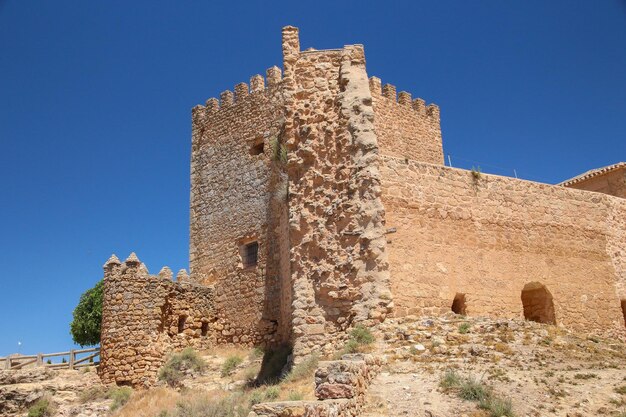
(85, 326)
(476, 174)
(279, 151)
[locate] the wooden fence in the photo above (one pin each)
(41, 359)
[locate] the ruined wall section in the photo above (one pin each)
(487, 236)
(406, 128)
(233, 177)
(146, 317)
(335, 215)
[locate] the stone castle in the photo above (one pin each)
(320, 200)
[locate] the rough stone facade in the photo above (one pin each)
(319, 200)
(145, 317)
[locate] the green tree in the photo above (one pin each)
(85, 327)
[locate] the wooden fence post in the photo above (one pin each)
(40, 359)
(72, 357)
(7, 363)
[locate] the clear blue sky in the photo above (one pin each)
(95, 101)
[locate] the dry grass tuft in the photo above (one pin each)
(150, 403)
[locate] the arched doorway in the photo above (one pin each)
(538, 304)
(458, 304)
(624, 310)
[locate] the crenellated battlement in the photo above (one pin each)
(151, 315)
(388, 91)
(241, 93)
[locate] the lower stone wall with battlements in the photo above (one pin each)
(146, 317)
(496, 246)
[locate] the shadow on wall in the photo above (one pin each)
(624, 310)
(538, 303)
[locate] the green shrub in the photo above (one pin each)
(450, 379)
(271, 393)
(362, 335)
(497, 407)
(120, 396)
(174, 369)
(231, 406)
(256, 397)
(87, 316)
(42, 408)
(295, 396)
(256, 353)
(93, 394)
(351, 346)
(464, 328)
(231, 363)
(304, 369)
(279, 150)
(473, 390)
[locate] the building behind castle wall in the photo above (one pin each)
(487, 237)
(146, 317)
(612, 182)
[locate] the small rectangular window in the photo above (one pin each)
(250, 254)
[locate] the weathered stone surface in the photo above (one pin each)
(145, 317)
(319, 201)
(339, 385)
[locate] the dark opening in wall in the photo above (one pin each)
(204, 329)
(458, 304)
(624, 310)
(538, 304)
(181, 323)
(250, 254)
(275, 360)
(258, 147)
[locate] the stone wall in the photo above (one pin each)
(340, 387)
(406, 128)
(338, 263)
(233, 180)
(487, 237)
(145, 317)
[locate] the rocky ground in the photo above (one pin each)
(79, 393)
(542, 370)
(20, 389)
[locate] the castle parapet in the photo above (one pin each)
(388, 92)
(145, 317)
(230, 99)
